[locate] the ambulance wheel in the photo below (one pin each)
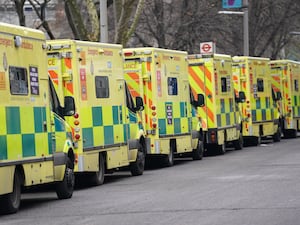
(290, 133)
(137, 167)
(238, 144)
(65, 188)
(256, 140)
(221, 149)
(198, 152)
(97, 178)
(277, 135)
(10, 203)
(168, 160)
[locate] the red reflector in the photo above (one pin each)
(153, 107)
(76, 115)
(76, 158)
(248, 115)
(128, 53)
(213, 136)
(77, 136)
(154, 125)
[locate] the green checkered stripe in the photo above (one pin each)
(296, 106)
(174, 118)
(22, 132)
(105, 126)
(263, 109)
(226, 113)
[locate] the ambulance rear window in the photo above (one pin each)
(172, 86)
(102, 87)
(296, 85)
(18, 80)
(260, 85)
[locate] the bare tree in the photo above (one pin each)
(19, 9)
(180, 24)
(126, 11)
(270, 25)
(184, 24)
(39, 9)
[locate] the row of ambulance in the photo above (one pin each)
(82, 109)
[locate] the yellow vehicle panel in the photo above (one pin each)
(34, 141)
(285, 79)
(160, 77)
(211, 75)
(93, 74)
(252, 76)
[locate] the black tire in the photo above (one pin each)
(239, 143)
(256, 141)
(277, 135)
(221, 149)
(65, 188)
(168, 160)
(291, 133)
(137, 167)
(198, 152)
(97, 178)
(10, 203)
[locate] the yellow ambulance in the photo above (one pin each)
(35, 141)
(160, 77)
(260, 116)
(106, 126)
(211, 75)
(285, 83)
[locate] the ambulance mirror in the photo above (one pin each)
(241, 97)
(69, 108)
(200, 101)
(139, 103)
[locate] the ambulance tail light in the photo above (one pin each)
(76, 158)
(153, 120)
(77, 136)
(76, 115)
(213, 136)
(76, 128)
(127, 54)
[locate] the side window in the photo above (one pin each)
(260, 85)
(172, 86)
(18, 81)
(54, 101)
(129, 100)
(296, 85)
(102, 87)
